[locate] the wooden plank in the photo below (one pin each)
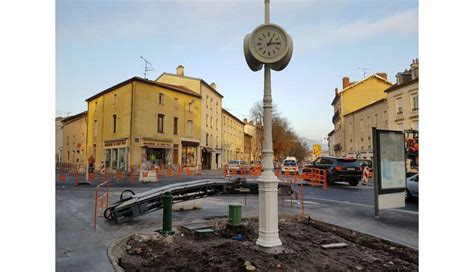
(334, 245)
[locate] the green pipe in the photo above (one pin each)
(167, 214)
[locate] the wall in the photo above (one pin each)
(358, 137)
(59, 139)
(74, 140)
(409, 119)
(100, 110)
(363, 94)
(233, 138)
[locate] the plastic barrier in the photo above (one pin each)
(99, 200)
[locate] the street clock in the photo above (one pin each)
(268, 44)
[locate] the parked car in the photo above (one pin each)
(289, 165)
(237, 165)
(363, 163)
(412, 187)
(338, 169)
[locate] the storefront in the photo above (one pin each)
(116, 154)
(206, 157)
(189, 153)
(157, 152)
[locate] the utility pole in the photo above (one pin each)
(148, 67)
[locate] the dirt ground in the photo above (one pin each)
(302, 239)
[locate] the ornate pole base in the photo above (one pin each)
(268, 210)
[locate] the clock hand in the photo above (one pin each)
(270, 41)
(273, 43)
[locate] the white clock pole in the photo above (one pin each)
(267, 182)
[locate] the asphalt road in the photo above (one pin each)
(337, 193)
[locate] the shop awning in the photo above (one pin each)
(208, 150)
(188, 143)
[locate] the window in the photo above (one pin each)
(361, 123)
(217, 124)
(189, 128)
(176, 104)
(161, 120)
(161, 99)
(375, 119)
(207, 117)
(73, 139)
(217, 141)
(95, 128)
(207, 139)
(114, 123)
(385, 118)
(211, 121)
(114, 99)
(207, 101)
(67, 142)
(211, 104)
(414, 125)
(414, 102)
(368, 121)
(95, 107)
(175, 126)
(217, 107)
(399, 105)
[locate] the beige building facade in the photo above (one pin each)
(402, 99)
(211, 152)
(142, 121)
(74, 141)
(358, 129)
(253, 140)
(233, 137)
(354, 96)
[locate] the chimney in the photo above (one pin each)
(414, 68)
(214, 86)
(335, 92)
(180, 70)
(245, 120)
(345, 82)
(251, 122)
(382, 75)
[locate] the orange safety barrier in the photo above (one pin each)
(62, 177)
(169, 172)
(101, 199)
(178, 172)
(91, 176)
(317, 176)
(226, 170)
(118, 175)
(188, 171)
(234, 172)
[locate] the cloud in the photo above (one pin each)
(403, 23)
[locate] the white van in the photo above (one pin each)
(290, 165)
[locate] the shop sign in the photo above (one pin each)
(157, 144)
(115, 143)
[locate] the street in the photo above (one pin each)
(81, 248)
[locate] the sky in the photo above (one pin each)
(99, 44)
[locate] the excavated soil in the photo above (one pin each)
(235, 250)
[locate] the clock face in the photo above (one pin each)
(269, 42)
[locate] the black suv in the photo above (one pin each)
(339, 169)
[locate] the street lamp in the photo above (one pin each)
(268, 45)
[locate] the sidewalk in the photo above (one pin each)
(80, 248)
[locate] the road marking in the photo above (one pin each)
(309, 202)
(358, 204)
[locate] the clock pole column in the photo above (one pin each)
(267, 182)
